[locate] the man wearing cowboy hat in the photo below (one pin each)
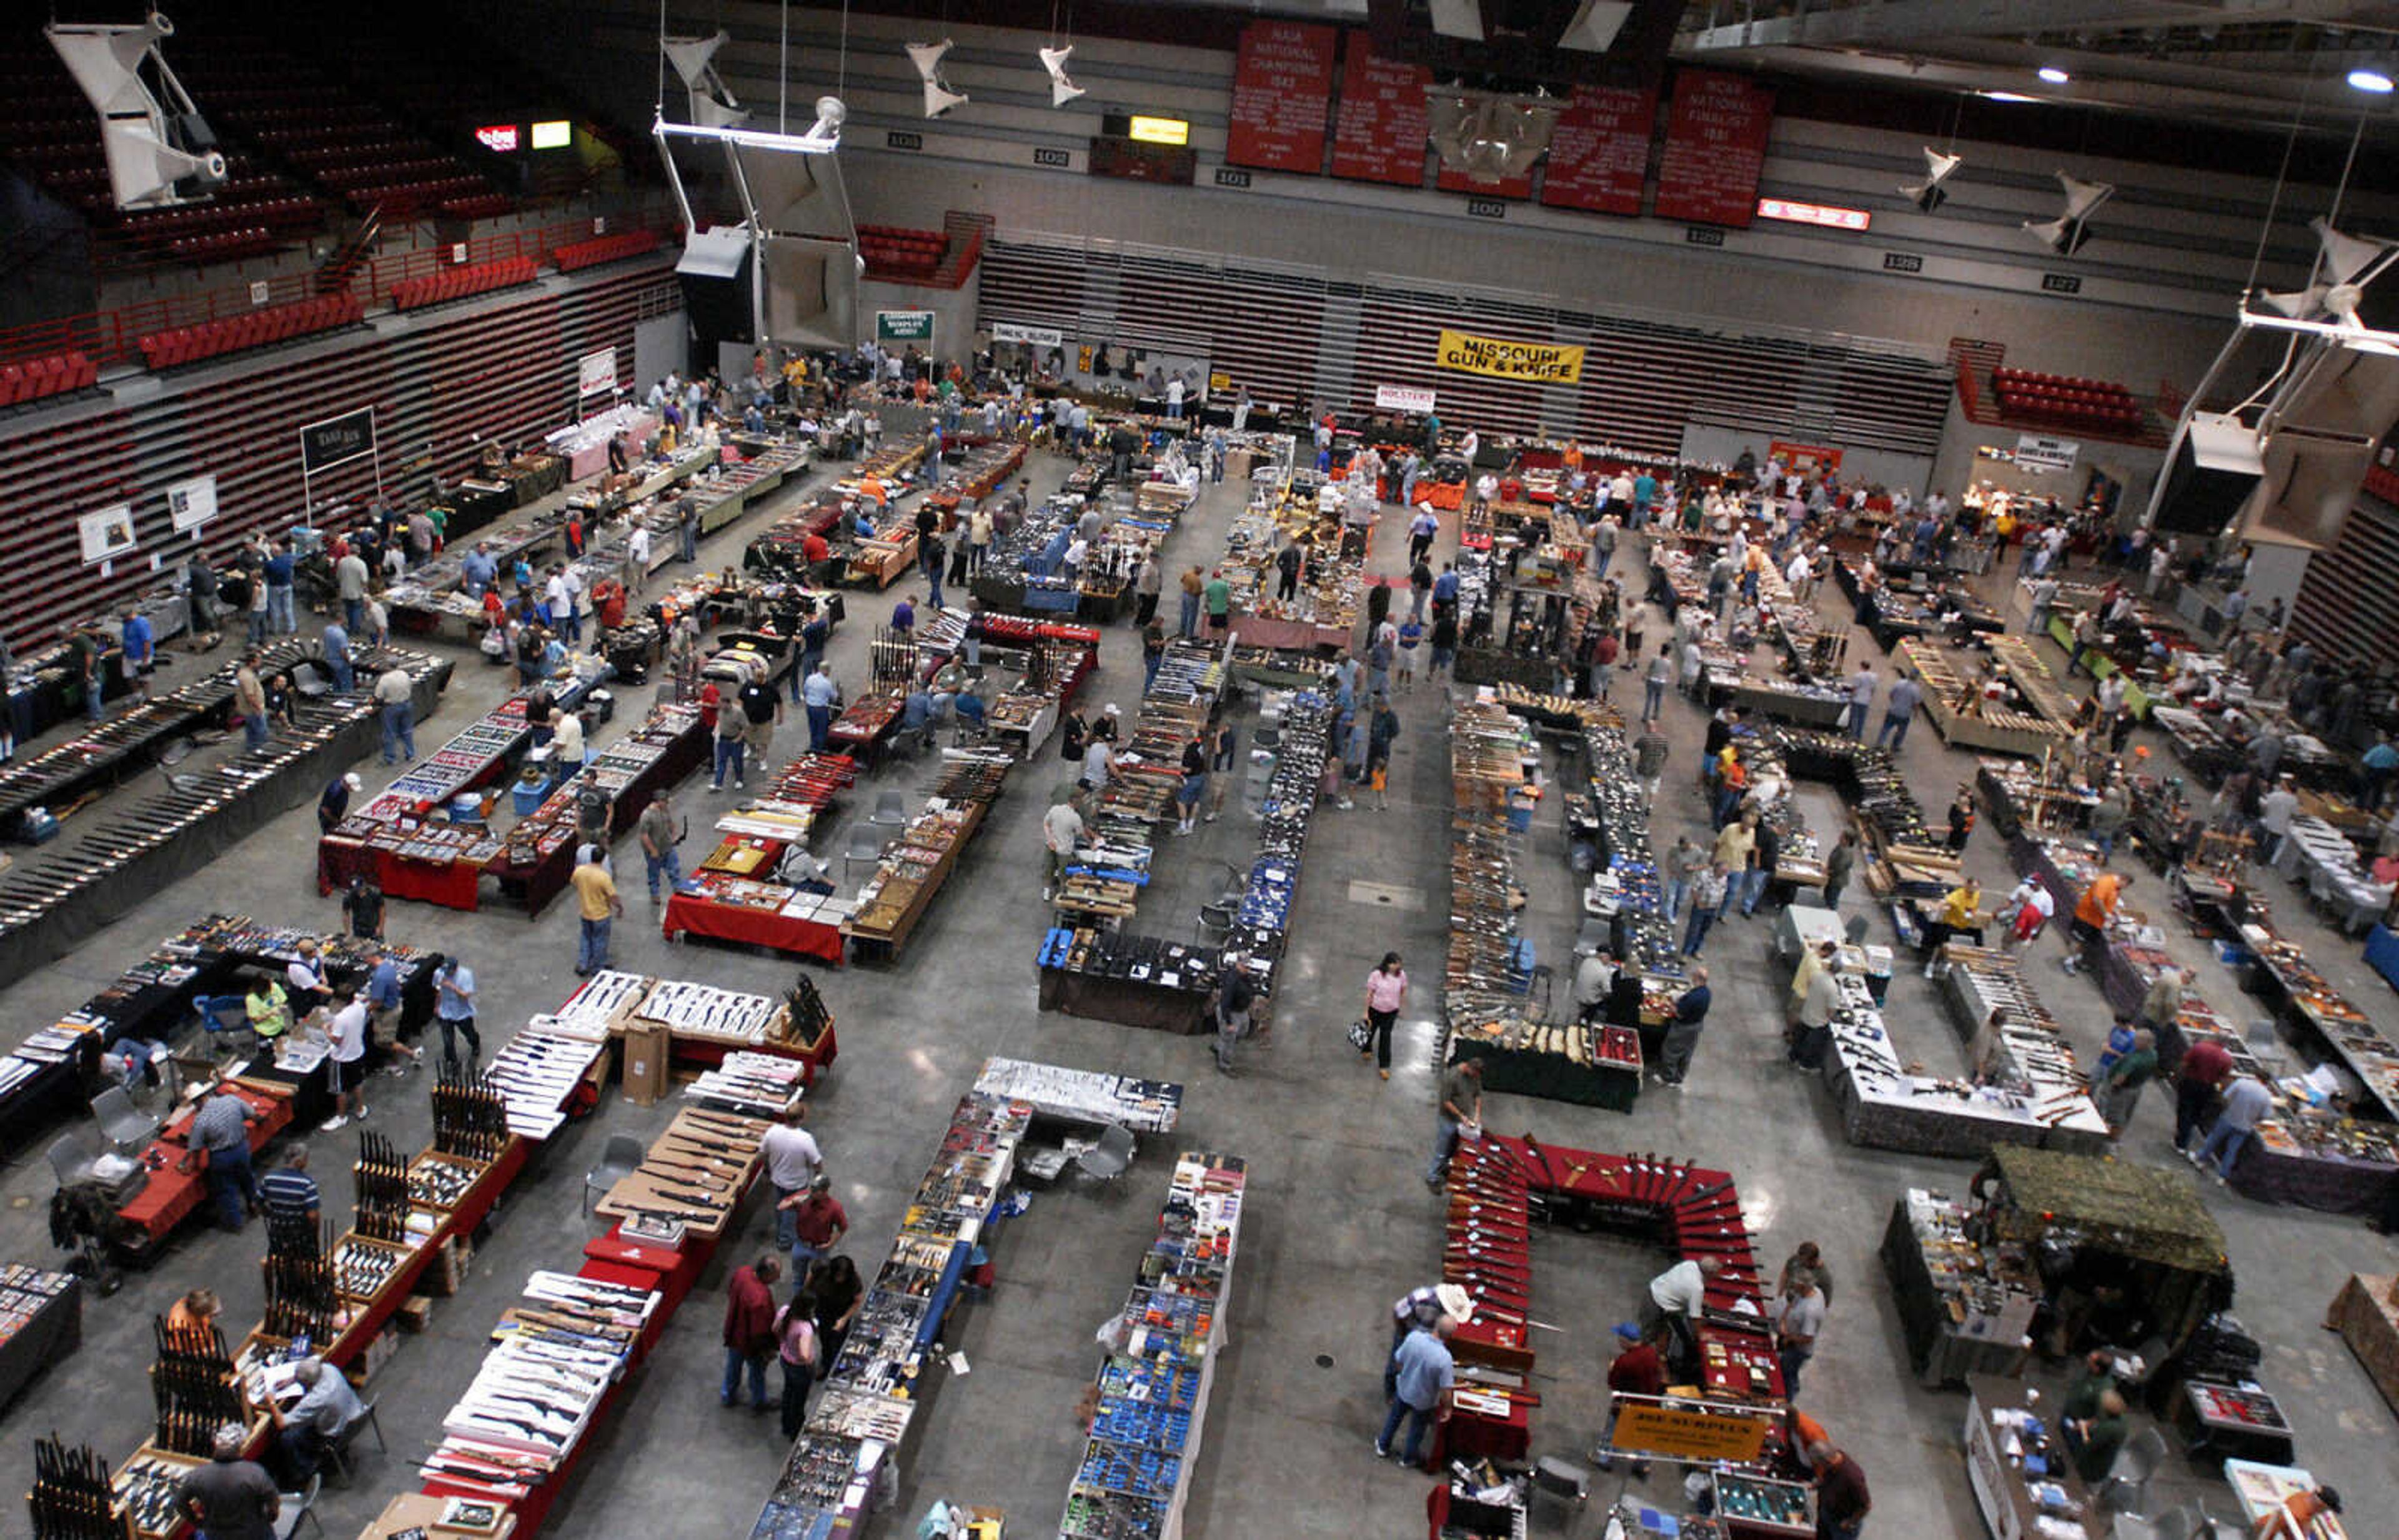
(1417, 1309)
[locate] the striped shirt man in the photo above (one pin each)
(290, 1194)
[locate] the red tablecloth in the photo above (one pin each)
(451, 884)
(1298, 636)
(171, 1194)
(691, 913)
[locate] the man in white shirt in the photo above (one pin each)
(1796, 575)
(1096, 761)
(1675, 1297)
(1062, 830)
(2275, 811)
(637, 559)
(350, 1069)
(793, 1162)
(303, 980)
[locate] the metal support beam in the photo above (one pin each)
(1894, 21)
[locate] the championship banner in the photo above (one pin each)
(1547, 363)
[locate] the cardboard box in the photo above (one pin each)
(647, 1051)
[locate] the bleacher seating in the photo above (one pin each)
(897, 255)
(600, 249)
(2060, 400)
(186, 345)
(31, 379)
(457, 283)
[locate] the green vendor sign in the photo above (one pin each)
(904, 326)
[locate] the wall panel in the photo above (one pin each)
(440, 383)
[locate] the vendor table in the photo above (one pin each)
(50, 1327)
(2003, 1489)
(1527, 1072)
(2272, 1171)
(173, 1192)
(2263, 1488)
(2223, 1422)
(1133, 1003)
(1940, 1353)
(1296, 636)
(697, 915)
(2365, 1313)
(419, 1513)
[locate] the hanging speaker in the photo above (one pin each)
(714, 271)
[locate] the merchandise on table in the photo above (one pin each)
(1153, 1391)
(1966, 1302)
(919, 862)
(844, 1465)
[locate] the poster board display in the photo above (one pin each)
(192, 504)
(595, 374)
(1599, 156)
(1282, 92)
(1380, 133)
(106, 533)
(1715, 149)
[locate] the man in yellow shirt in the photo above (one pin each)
(596, 891)
(1962, 909)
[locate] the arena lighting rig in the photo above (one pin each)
(161, 151)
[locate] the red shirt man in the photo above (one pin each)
(814, 549)
(710, 697)
(818, 1217)
(1638, 1371)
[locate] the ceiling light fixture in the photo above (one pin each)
(2006, 96)
(2055, 76)
(2371, 79)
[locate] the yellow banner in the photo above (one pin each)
(1679, 1433)
(1545, 364)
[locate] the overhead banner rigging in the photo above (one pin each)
(1548, 363)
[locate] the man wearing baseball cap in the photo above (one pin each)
(1637, 1370)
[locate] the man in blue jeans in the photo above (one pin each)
(656, 830)
(1427, 1377)
(820, 695)
(2246, 1098)
(1461, 1107)
(278, 571)
(750, 1329)
(595, 891)
(222, 1130)
(392, 693)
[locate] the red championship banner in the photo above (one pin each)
(1599, 157)
(1380, 133)
(1282, 92)
(1716, 148)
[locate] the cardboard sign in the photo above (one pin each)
(1678, 1433)
(1391, 398)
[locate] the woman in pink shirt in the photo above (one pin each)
(795, 1341)
(1386, 987)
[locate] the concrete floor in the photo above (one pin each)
(1337, 1224)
